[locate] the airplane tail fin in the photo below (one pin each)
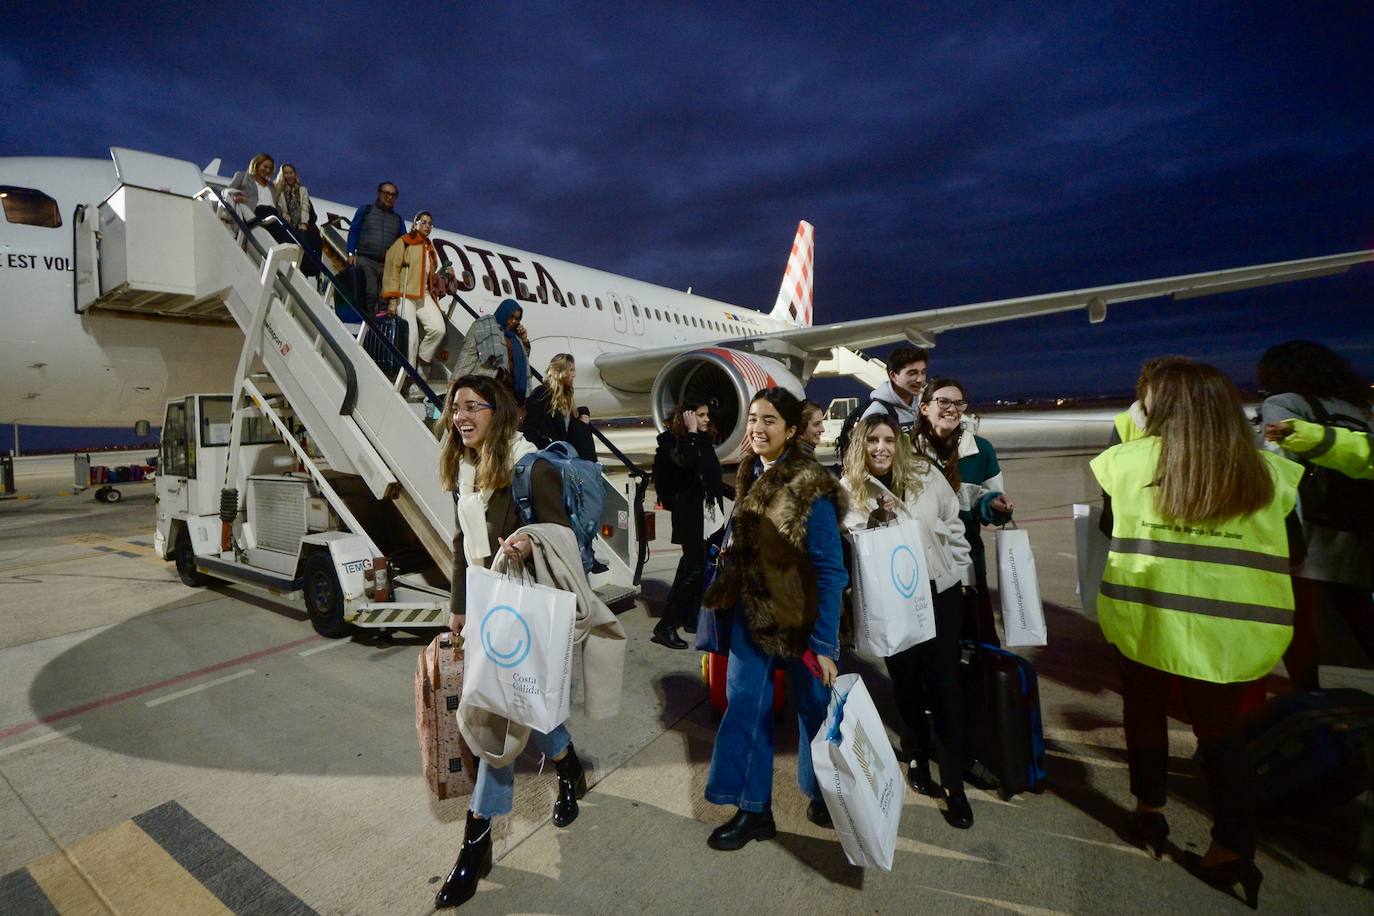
(794, 298)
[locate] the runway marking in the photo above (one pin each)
(22, 727)
(1071, 556)
(199, 687)
(330, 644)
(136, 875)
(929, 849)
(1095, 761)
(41, 739)
(1119, 847)
(1023, 908)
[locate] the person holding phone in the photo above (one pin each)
(780, 580)
(887, 481)
(509, 314)
(549, 413)
(688, 483)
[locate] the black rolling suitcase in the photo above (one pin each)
(1002, 731)
(394, 330)
(1311, 751)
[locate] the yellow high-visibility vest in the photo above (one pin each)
(1126, 430)
(1206, 600)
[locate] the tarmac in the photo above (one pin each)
(165, 749)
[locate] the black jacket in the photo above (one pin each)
(693, 473)
(543, 426)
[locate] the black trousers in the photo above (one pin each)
(684, 598)
(1310, 598)
(926, 677)
(1216, 713)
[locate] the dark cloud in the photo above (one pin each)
(946, 153)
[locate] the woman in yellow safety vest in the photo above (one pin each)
(1196, 589)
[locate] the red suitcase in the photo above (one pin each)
(449, 766)
(713, 668)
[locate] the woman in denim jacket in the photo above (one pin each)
(781, 581)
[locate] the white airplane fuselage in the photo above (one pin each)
(59, 367)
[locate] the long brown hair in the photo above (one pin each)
(906, 464)
(492, 457)
(560, 388)
(1209, 468)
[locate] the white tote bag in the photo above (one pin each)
(519, 639)
(859, 775)
(1093, 546)
(893, 608)
(1023, 616)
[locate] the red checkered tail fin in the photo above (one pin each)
(794, 298)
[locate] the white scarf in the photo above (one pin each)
(472, 503)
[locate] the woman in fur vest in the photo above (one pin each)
(886, 481)
(781, 582)
(478, 464)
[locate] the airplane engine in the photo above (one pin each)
(727, 380)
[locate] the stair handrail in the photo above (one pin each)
(351, 394)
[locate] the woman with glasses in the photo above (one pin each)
(477, 464)
(887, 482)
(969, 463)
(410, 263)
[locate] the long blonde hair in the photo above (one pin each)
(907, 467)
(559, 385)
(1209, 468)
(492, 457)
(256, 161)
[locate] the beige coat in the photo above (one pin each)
(935, 506)
(408, 267)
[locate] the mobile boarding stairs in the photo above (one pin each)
(315, 474)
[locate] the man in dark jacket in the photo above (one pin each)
(373, 230)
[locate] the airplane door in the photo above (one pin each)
(636, 315)
(617, 312)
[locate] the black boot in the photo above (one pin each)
(959, 812)
(919, 778)
(474, 864)
(818, 814)
(740, 829)
(572, 785)
(665, 634)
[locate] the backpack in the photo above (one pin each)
(665, 483)
(583, 495)
(1328, 497)
(483, 351)
(855, 416)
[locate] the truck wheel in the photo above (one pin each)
(323, 596)
(185, 556)
(113, 496)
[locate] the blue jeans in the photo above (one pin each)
(494, 793)
(742, 758)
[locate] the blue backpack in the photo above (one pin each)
(583, 496)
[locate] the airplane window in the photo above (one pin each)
(658, 316)
(27, 207)
(505, 285)
(617, 307)
(694, 322)
(598, 304)
(676, 319)
(634, 309)
(486, 281)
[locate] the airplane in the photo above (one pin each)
(639, 347)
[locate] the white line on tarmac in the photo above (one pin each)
(1119, 847)
(331, 644)
(39, 740)
(1071, 556)
(199, 687)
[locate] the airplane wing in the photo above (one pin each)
(636, 370)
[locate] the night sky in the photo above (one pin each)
(964, 152)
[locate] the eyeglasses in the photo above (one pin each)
(471, 408)
(946, 404)
(424, 222)
(386, 194)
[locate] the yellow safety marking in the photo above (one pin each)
(133, 874)
(65, 888)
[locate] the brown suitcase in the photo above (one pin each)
(450, 768)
